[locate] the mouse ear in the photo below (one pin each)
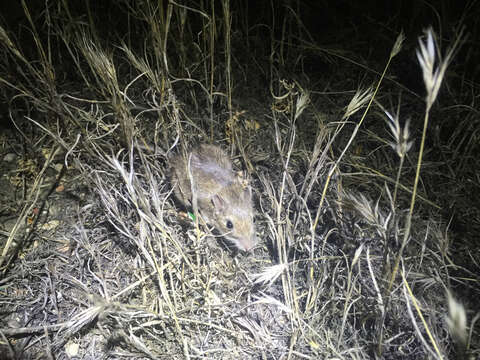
(247, 192)
(218, 203)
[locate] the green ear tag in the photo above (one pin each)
(191, 216)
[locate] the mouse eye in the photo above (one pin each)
(229, 224)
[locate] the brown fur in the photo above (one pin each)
(223, 196)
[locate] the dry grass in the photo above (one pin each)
(356, 258)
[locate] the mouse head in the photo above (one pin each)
(233, 215)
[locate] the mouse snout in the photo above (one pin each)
(248, 247)
(247, 244)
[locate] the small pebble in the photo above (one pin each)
(9, 157)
